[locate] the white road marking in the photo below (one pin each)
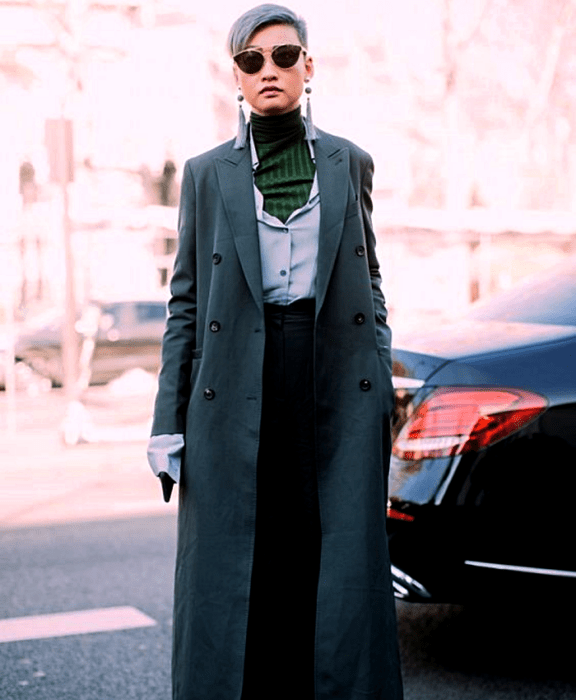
(68, 623)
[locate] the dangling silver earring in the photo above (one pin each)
(310, 130)
(242, 135)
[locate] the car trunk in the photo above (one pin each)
(508, 505)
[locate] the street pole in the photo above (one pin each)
(69, 338)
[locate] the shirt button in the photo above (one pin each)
(360, 251)
(216, 258)
(365, 385)
(283, 273)
(359, 319)
(209, 394)
(214, 326)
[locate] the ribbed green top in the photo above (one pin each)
(286, 171)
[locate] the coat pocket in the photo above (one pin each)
(195, 369)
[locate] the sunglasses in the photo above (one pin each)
(284, 56)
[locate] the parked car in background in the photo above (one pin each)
(128, 336)
(483, 470)
(21, 375)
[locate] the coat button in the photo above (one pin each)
(360, 251)
(359, 319)
(214, 326)
(365, 385)
(216, 258)
(209, 394)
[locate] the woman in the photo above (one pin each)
(275, 390)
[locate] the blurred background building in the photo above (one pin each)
(468, 107)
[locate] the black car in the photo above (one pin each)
(483, 470)
(128, 335)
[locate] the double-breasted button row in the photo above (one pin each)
(360, 251)
(359, 319)
(365, 384)
(214, 326)
(216, 258)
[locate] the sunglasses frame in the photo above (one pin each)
(271, 50)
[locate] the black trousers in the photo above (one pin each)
(281, 621)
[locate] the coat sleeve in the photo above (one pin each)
(383, 333)
(180, 334)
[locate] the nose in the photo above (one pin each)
(269, 69)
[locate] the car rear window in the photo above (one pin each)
(549, 298)
(146, 312)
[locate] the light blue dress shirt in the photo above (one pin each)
(165, 454)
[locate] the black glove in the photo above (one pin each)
(167, 485)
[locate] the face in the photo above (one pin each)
(274, 90)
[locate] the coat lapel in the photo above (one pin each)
(237, 188)
(332, 165)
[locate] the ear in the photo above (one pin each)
(309, 67)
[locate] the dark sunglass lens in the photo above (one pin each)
(249, 61)
(286, 56)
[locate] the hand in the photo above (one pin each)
(167, 485)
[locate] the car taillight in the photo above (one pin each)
(394, 514)
(454, 420)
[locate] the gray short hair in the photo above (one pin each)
(262, 16)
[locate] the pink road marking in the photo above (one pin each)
(67, 623)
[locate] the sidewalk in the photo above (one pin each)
(44, 481)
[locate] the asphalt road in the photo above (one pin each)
(499, 652)
(85, 566)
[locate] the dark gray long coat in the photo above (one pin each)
(211, 390)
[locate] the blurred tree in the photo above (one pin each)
(15, 72)
(458, 187)
(507, 108)
(550, 113)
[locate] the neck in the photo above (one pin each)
(268, 129)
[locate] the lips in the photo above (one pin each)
(270, 90)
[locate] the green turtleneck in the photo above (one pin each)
(286, 171)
